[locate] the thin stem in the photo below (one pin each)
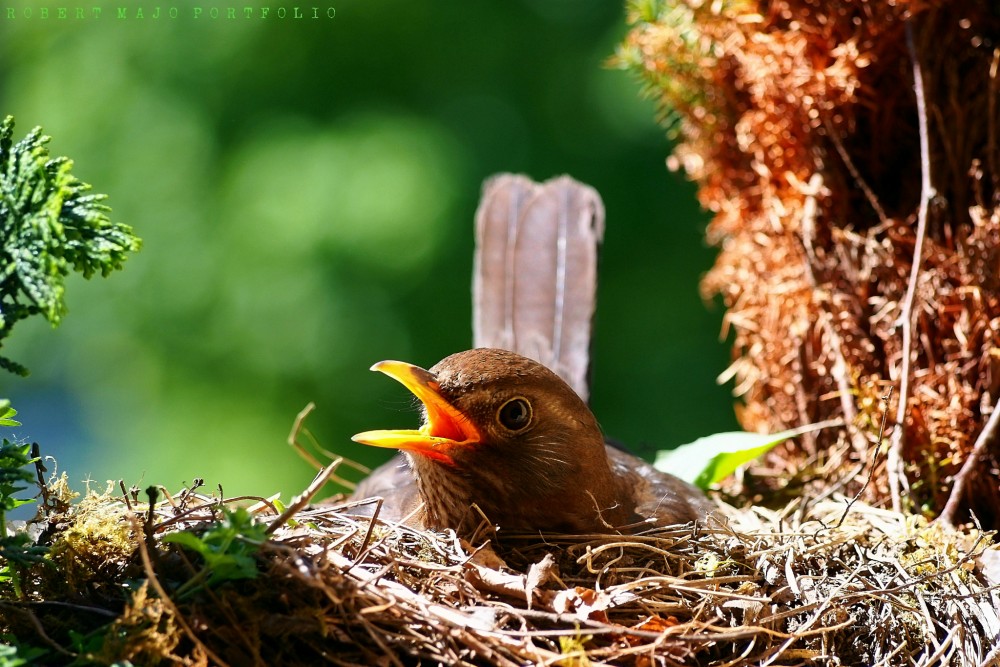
(894, 459)
(962, 478)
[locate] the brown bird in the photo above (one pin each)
(501, 431)
(506, 434)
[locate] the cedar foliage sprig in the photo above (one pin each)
(49, 224)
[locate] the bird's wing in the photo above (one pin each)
(659, 497)
(535, 276)
(395, 483)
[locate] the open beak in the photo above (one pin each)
(446, 426)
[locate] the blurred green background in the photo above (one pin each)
(305, 192)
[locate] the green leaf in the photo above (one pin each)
(230, 567)
(7, 413)
(711, 459)
(89, 643)
(227, 547)
(186, 539)
(15, 656)
(18, 502)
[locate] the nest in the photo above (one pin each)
(827, 176)
(830, 583)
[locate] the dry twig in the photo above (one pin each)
(894, 460)
(961, 479)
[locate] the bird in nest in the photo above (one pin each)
(506, 428)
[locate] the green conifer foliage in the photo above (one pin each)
(49, 225)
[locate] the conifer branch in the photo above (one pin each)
(50, 224)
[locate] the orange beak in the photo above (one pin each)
(446, 428)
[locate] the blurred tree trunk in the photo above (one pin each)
(858, 226)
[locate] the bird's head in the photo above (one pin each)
(503, 432)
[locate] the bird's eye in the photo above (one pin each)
(515, 414)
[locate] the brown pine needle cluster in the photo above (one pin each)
(826, 171)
